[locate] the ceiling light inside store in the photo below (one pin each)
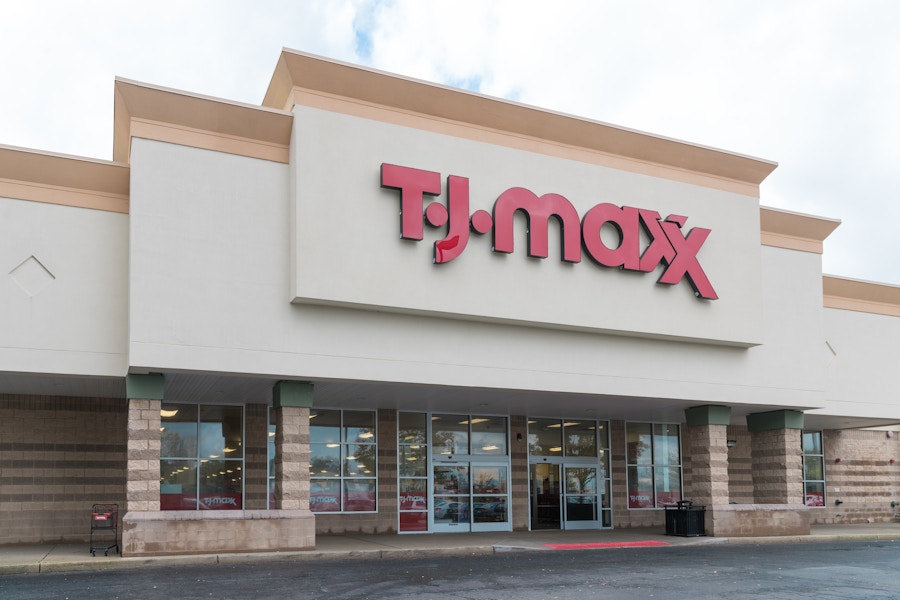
(167, 414)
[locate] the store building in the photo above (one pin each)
(374, 304)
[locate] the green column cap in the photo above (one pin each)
(709, 414)
(776, 419)
(144, 387)
(298, 394)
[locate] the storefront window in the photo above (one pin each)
(813, 469)
(489, 435)
(464, 434)
(201, 457)
(342, 463)
(545, 437)
(653, 454)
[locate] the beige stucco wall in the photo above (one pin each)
(210, 291)
(63, 290)
(861, 356)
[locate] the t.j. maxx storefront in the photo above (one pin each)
(375, 304)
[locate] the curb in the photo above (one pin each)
(799, 539)
(50, 565)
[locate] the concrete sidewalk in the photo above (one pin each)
(49, 558)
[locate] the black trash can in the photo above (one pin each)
(685, 519)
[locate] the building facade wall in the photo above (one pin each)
(61, 455)
(183, 239)
(58, 457)
(64, 298)
(235, 269)
(861, 348)
(864, 481)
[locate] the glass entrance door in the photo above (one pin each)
(470, 497)
(566, 496)
(581, 497)
(545, 496)
(451, 497)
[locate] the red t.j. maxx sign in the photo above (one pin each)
(667, 244)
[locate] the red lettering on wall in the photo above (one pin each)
(537, 212)
(668, 245)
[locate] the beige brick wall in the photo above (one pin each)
(705, 481)
(520, 493)
(292, 458)
(256, 457)
(142, 457)
(157, 533)
(740, 466)
(58, 456)
(777, 466)
(867, 481)
(752, 520)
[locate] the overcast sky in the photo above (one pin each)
(813, 85)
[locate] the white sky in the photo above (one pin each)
(811, 84)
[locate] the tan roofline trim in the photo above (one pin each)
(51, 178)
(177, 117)
(794, 231)
(861, 296)
(395, 116)
(297, 71)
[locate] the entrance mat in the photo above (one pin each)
(606, 545)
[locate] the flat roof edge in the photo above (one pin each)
(303, 70)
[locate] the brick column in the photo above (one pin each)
(776, 457)
(256, 457)
(145, 393)
(705, 445)
(519, 492)
(291, 401)
(388, 477)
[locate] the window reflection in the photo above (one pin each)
(201, 457)
(343, 460)
(545, 437)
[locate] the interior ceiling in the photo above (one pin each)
(233, 389)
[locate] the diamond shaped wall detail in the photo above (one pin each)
(32, 276)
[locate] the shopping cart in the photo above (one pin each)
(104, 528)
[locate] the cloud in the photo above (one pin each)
(812, 84)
